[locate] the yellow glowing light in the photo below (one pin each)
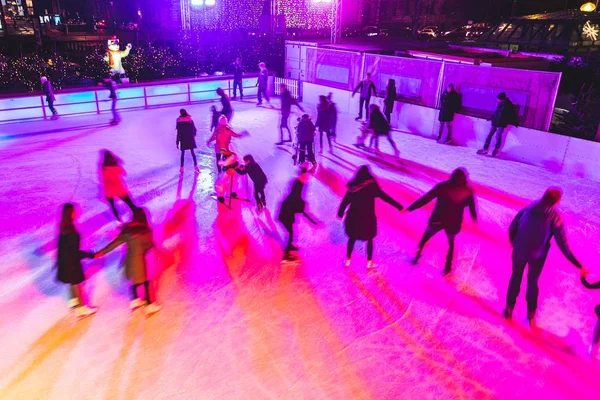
(590, 31)
(588, 7)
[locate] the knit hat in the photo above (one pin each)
(501, 96)
(223, 120)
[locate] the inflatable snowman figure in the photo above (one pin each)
(114, 56)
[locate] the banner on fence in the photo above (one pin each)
(333, 68)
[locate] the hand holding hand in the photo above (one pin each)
(97, 255)
(584, 272)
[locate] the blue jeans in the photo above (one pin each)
(498, 130)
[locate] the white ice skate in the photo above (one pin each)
(85, 311)
(371, 265)
(347, 263)
(136, 303)
(73, 303)
(152, 309)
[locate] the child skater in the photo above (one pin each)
(222, 138)
(138, 236)
(258, 177)
(112, 179)
(69, 269)
(214, 118)
(595, 347)
(186, 133)
(292, 205)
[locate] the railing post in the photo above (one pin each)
(97, 102)
(145, 98)
(43, 106)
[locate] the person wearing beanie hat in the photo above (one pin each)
(530, 233)
(222, 138)
(453, 196)
(505, 115)
(595, 346)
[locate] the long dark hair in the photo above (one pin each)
(183, 113)
(67, 225)
(391, 86)
(362, 175)
(109, 159)
(323, 102)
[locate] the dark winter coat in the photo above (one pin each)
(449, 105)
(505, 115)
(293, 204)
(48, 91)
(69, 269)
(378, 123)
(287, 101)
(389, 101)
(532, 229)
(324, 117)
(238, 72)
(361, 221)
(334, 117)
(255, 173)
(452, 199)
(186, 132)
(306, 131)
(263, 79)
(139, 241)
(226, 109)
(366, 89)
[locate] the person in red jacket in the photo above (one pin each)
(112, 181)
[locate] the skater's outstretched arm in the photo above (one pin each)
(589, 285)
(514, 226)
(119, 240)
(560, 236)
(213, 137)
(472, 208)
(432, 194)
(344, 205)
(359, 87)
(386, 197)
(236, 135)
(310, 218)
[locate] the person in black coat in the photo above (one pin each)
(238, 73)
(287, 101)
(449, 105)
(361, 221)
(594, 348)
(324, 117)
(390, 100)
(366, 89)
(258, 177)
(49, 93)
(186, 133)
(294, 204)
(453, 196)
(306, 139)
(380, 127)
(226, 109)
(334, 115)
(504, 115)
(68, 265)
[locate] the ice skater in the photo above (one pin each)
(595, 346)
(214, 118)
(334, 116)
(292, 205)
(186, 134)
(449, 105)
(258, 177)
(68, 263)
(453, 196)
(390, 100)
(114, 187)
(361, 220)
(238, 74)
(306, 140)
(380, 128)
(324, 119)
(287, 101)
(137, 234)
(222, 137)
(504, 115)
(530, 233)
(111, 86)
(226, 108)
(49, 93)
(262, 83)
(367, 89)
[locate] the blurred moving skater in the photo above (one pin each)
(226, 108)
(68, 263)
(186, 133)
(137, 234)
(287, 101)
(111, 85)
(112, 181)
(222, 138)
(453, 196)
(380, 126)
(262, 83)
(361, 220)
(49, 93)
(258, 177)
(530, 233)
(294, 204)
(324, 121)
(238, 74)
(595, 346)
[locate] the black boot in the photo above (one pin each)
(508, 312)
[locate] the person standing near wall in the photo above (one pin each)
(238, 73)
(49, 93)
(390, 100)
(449, 105)
(111, 85)
(366, 89)
(324, 116)
(262, 83)
(334, 115)
(530, 233)
(504, 115)
(287, 101)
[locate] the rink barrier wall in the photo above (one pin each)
(135, 96)
(557, 153)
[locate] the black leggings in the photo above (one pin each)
(193, 157)
(328, 132)
(259, 195)
(289, 227)
(146, 289)
(352, 242)
(429, 233)
(127, 201)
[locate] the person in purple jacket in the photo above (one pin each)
(530, 233)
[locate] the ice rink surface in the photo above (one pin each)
(238, 325)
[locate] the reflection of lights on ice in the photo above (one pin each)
(590, 31)
(208, 3)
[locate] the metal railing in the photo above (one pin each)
(294, 86)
